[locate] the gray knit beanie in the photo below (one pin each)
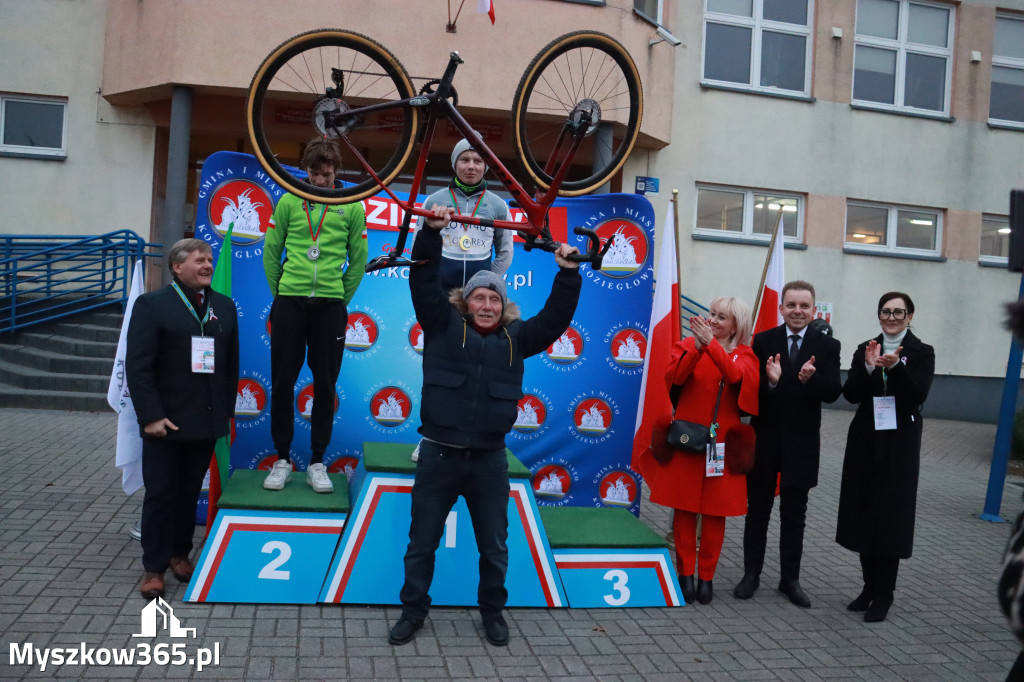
(488, 280)
(461, 147)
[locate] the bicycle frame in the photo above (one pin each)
(438, 105)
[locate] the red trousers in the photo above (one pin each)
(684, 531)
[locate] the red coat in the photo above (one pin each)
(681, 483)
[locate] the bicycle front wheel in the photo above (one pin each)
(586, 72)
(321, 83)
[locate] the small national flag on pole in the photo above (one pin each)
(772, 280)
(664, 333)
(220, 462)
(486, 6)
(128, 452)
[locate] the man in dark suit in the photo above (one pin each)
(799, 372)
(182, 369)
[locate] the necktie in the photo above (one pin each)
(794, 348)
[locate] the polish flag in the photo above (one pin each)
(768, 315)
(486, 6)
(655, 405)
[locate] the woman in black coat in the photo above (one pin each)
(889, 380)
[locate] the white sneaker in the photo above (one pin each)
(278, 476)
(316, 477)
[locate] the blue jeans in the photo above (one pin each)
(442, 474)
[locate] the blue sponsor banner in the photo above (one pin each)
(576, 419)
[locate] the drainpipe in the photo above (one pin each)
(173, 228)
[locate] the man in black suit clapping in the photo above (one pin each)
(799, 372)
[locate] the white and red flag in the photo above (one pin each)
(768, 315)
(487, 7)
(655, 405)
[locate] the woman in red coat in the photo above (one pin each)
(699, 363)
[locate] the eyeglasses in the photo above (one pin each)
(895, 313)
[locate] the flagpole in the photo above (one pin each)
(675, 242)
(767, 262)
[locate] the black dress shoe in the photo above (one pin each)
(404, 630)
(496, 630)
(861, 603)
(688, 587)
(879, 609)
(796, 594)
(704, 591)
(747, 586)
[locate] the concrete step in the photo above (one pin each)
(59, 363)
(13, 396)
(89, 332)
(67, 345)
(25, 377)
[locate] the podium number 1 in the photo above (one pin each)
(272, 571)
(619, 579)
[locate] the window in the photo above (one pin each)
(995, 239)
(650, 9)
(893, 229)
(32, 126)
(1006, 104)
(762, 45)
(903, 56)
(747, 214)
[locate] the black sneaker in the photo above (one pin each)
(404, 630)
(496, 630)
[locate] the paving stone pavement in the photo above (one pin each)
(69, 571)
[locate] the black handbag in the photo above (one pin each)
(690, 436)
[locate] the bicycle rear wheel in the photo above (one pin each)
(587, 72)
(324, 73)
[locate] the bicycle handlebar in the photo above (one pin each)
(594, 254)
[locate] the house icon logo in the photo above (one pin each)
(158, 615)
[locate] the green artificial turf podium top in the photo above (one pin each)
(394, 458)
(244, 490)
(600, 527)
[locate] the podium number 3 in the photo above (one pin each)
(272, 571)
(619, 579)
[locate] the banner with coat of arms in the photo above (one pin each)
(575, 425)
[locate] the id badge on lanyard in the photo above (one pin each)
(885, 408)
(202, 354)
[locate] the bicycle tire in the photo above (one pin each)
(583, 66)
(285, 91)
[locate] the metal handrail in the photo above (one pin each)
(47, 277)
(690, 308)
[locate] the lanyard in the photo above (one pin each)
(309, 220)
(188, 304)
(456, 203)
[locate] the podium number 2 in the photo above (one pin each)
(272, 571)
(619, 579)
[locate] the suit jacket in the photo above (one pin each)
(158, 363)
(788, 421)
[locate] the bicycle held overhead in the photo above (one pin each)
(575, 118)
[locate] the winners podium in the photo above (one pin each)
(300, 547)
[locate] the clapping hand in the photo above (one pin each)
(701, 329)
(873, 356)
(807, 371)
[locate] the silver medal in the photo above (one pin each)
(313, 253)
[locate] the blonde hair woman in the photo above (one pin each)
(716, 355)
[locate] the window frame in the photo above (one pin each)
(1014, 63)
(892, 220)
(902, 48)
(989, 259)
(17, 150)
(657, 20)
(747, 234)
(758, 26)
